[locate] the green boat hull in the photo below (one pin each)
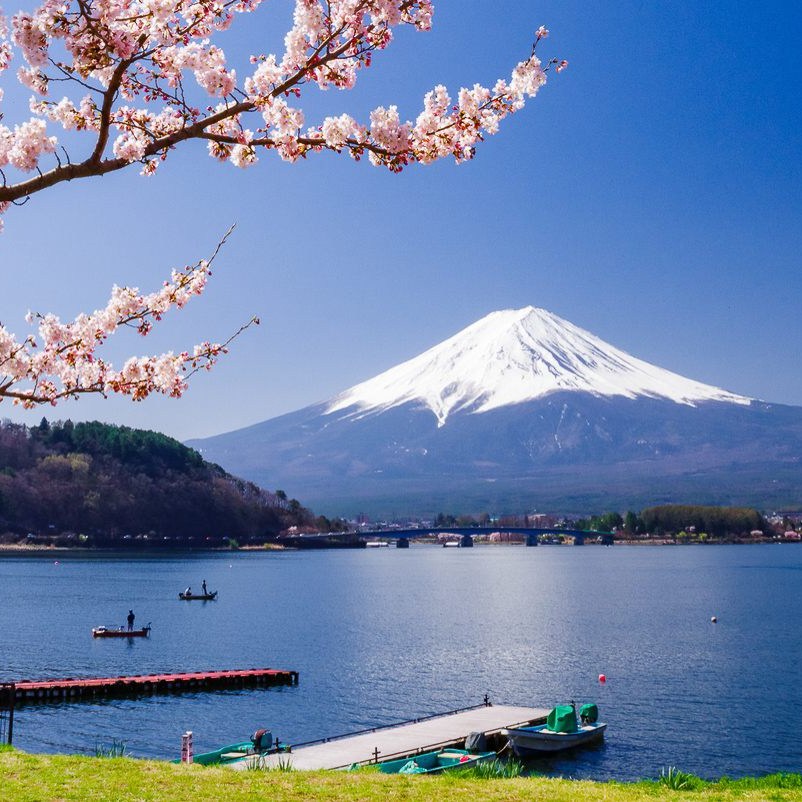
(436, 762)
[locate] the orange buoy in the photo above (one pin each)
(602, 678)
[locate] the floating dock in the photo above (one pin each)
(407, 739)
(80, 689)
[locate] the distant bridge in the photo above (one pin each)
(465, 535)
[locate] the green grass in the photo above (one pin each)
(114, 749)
(260, 764)
(678, 780)
(496, 769)
(66, 778)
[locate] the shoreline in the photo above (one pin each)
(46, 548)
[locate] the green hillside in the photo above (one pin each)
(93, 484)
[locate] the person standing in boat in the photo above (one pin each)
(131, 618)
(203, 585)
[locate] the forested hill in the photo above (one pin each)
(96, 484)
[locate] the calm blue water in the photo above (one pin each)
(383, 635)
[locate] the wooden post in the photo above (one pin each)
(12, 698)
(8, 691)
(186, 747)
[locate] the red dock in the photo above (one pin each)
(77, 689)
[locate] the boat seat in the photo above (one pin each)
(233, 755)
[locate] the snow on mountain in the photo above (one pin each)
(514, 356)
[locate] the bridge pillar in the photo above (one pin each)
(531, 540)
(579, 540)
(402, 543)
(466, 541)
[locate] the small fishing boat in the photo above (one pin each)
(435, 762)
(260, 743)
(120, 632)
(560, 731)
(197, 596)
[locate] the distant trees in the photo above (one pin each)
(149, 451)
(324, 524)
(685, 522)
(633, 524)
(714, 521)
(109, 481)
(607, 522)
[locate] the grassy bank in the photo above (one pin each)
(47, 778)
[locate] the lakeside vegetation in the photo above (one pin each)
(37, 778)
(674, 523)
(94, 484)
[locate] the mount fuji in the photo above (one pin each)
(523, 410)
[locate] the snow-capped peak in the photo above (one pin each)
(519, 355)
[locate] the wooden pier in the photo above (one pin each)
(85, 689)
(406, 739)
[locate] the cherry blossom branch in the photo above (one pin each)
(66, 364)
(127, 63)
(138, 52)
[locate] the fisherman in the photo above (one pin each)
(203, 585)
(131, 618)
(188, 591)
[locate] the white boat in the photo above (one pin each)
(560, 732)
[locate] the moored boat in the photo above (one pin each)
(560, 731)
(260, 743)
(435, 762)
(197, 596)
(120, 632)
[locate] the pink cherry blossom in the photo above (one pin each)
(138, 75)
(139, 78)
(62, 361)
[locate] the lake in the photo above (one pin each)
(383, 635)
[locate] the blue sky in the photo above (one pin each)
(651, 194)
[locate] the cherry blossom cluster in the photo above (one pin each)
(138, 78)
(62, 361)
(129, 62)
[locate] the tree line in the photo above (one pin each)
(673, 519)
(663, 520)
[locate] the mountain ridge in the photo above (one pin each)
(470, 425)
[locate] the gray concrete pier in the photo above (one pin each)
(401, 740)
